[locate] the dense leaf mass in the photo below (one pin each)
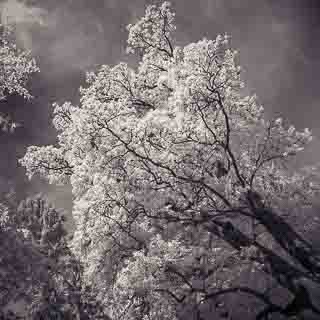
(38, 270)
(16, 66)
(181, 189)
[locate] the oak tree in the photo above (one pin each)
(182, 192)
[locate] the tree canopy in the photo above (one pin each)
(16, 67)
(182, 192)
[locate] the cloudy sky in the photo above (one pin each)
(278, 41)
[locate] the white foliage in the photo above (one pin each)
(16, 65)
(141, 151)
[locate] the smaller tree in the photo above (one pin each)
(16, 66)
(22, 266)
(61, 293)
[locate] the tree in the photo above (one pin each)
(181, 187)
(16, 67)
(22, 265)
(60, 293)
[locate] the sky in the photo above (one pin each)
(277, 41)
